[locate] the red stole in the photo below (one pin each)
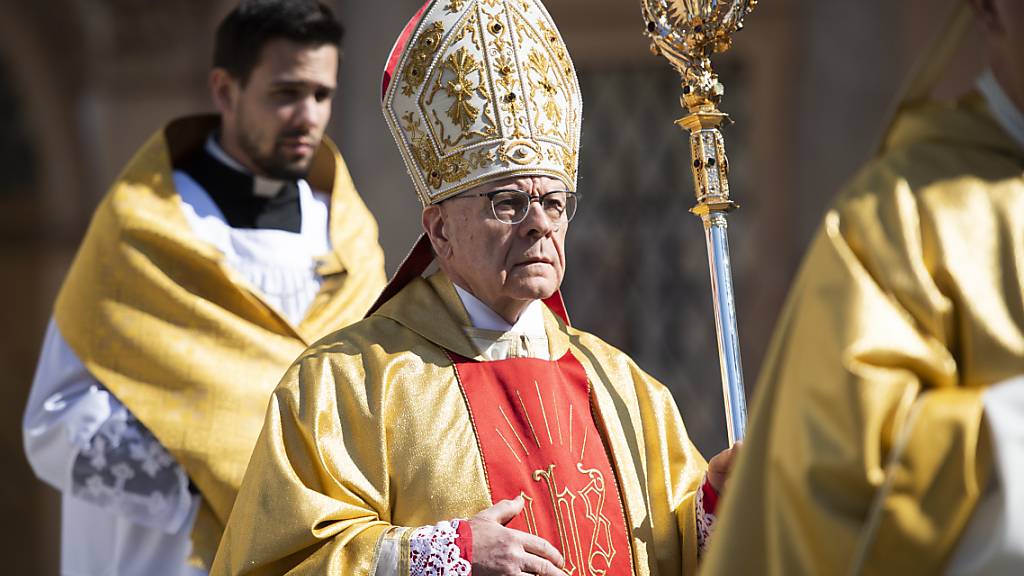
(538, 438)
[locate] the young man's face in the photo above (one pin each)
(277, 119)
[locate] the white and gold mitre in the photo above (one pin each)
(482, 89)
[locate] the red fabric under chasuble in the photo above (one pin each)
(538, 437)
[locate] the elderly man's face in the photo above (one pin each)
(504, 265)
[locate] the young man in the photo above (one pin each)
(888, 430)
(228, 244)
(465, 425)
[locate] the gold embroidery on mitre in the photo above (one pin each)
(462, 89)
(488, 91)
(545, 88)
(438, 170)
(420, 56)
(454, 6)
(521, 152)
(462, 79)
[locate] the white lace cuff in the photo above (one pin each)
(444, 549)
(124, 469)
(706, 503)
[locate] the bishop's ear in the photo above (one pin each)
(434, 226)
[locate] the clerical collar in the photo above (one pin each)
(530, 322)
(1006, 113)
(245, 200)
(261, 187)
(495, 339)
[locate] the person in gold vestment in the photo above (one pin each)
(465, 425)
(887, 435)
(228, 244)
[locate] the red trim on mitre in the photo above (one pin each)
(399, 48)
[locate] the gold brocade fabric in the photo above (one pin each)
(370, 430)
(159, 319)
(866, 451)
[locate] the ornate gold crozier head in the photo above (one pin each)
(688, 33)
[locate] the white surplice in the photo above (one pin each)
(126, 504)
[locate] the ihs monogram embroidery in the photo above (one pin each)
(581, 495)
(599, 552)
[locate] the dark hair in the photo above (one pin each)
(242, 35)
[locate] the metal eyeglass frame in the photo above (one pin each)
(540, 199)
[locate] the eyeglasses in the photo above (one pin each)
(511, 206)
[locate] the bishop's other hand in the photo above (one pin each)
(499, 550)
(719, 466)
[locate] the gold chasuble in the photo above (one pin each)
(396, 422)
(158, 318)
(867, 450)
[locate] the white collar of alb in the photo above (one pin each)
(261, 187)
(1006, 113)
(530, 322)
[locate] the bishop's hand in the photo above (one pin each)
(719, 466)
(501, 550)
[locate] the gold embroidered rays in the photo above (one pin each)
(484, 89)
(575, 494)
